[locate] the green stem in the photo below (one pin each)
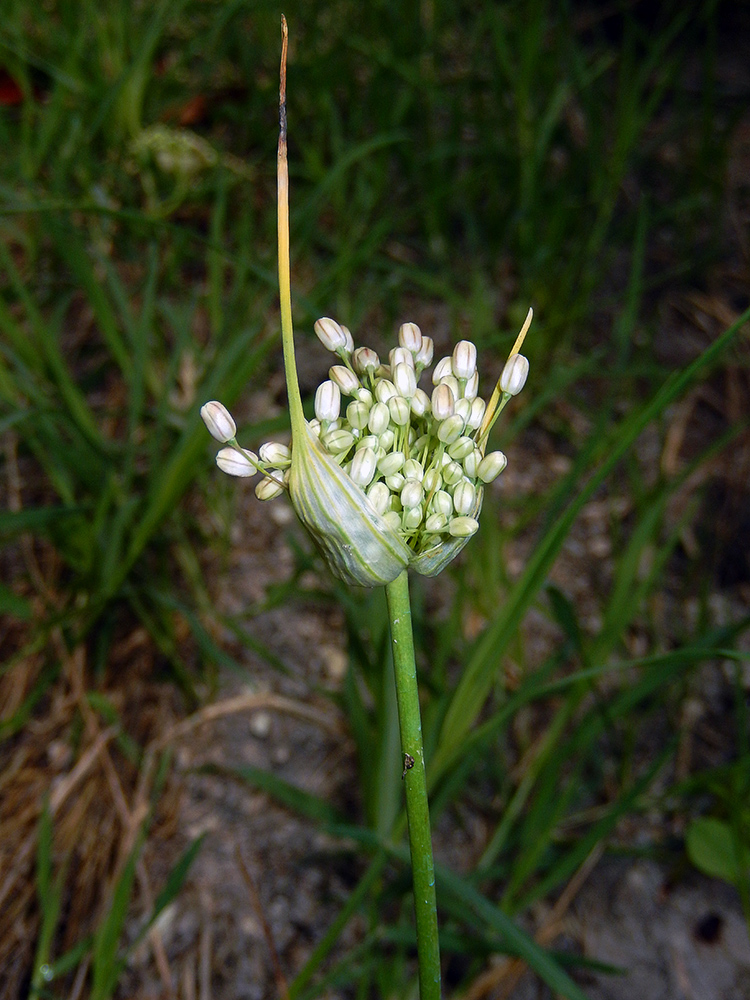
(415, 783)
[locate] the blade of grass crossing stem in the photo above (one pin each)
(478, 677)
(105, 962)
(49, 893)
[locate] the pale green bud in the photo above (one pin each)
(464, 496)
(391, 463)
(237, 463)
(420, 403)
(364, 396)
(436, 523)
(472, 386)
(400, 411)
(218, 421)
(452, 473)
(273, 453)
(269, 488)
(443, 402)
(393, 519)
(471, 463)
(432, 481)
(379, 418)
(442, 368)
(331, 335)
(461, 447)
(387, 440)
(338, 441)
(378, 494)
(405, 380)
(412, 517)
(491, 465)
(358, 414)
(363, 467)
(400, 356)
(464, 359)
(463, 409)
(514, 375)
(474, 420)
(345, 379)
(395, 482)
(368, 441)
(413, 470)
(423, 357)
(442, 503)
(412, 493)
(385, 390)
(462, 527)
(410, 337)
(452, 382)
(450, 429)
(365, 361)
(327, 401)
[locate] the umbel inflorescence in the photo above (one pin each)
(387, 475)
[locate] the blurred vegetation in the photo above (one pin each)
(445, 160)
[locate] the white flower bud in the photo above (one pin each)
(348, 340)
(218, 421)
(358, 414)
(393, 520)
(314, 426)
(514, 375)
(379, 495)
(273, 453)
(365, 361)
(235, 463)
(462, 527)
(471, 463)
(410, 337)
(364, 396)
(491, 465)
(423, 357)
(405, 380)
(452, 473)
(442, 368)
(412, 517)
(368, 441)
(472, 386)
(474, 420)
(412, 493)
(452, 382)
(436, 523)
(464, 496)
(442, 503)
(432, 481)
(413, 470)
(420, 403)
(363, 467)
(379, 418)
(443, 404)
(450, 429)
(460, 448)
(395, 482)
(268, 488)
(464, 359)
(400, 356)
(338, 441)
(399, 409)
(330, 334)
(345, 379)
(384, 390)
(391, 463)
(387, 440)
(327, 401)
(463, 409)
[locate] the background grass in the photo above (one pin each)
(447, 162)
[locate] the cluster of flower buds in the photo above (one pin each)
(417, 457)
